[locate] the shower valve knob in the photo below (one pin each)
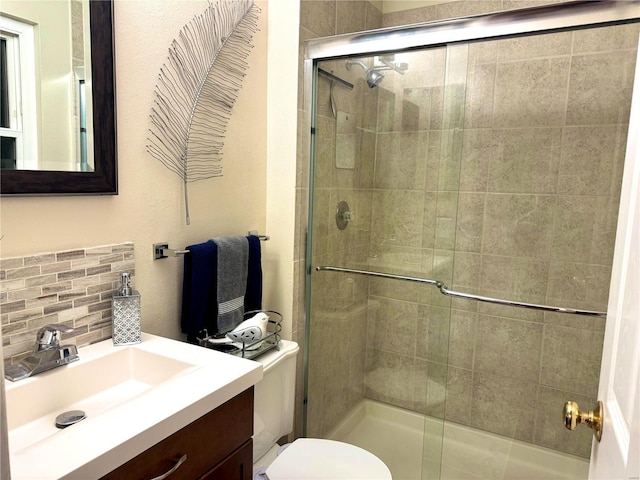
(343, 215)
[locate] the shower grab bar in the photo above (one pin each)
(469, 296)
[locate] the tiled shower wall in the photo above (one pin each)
(468, 217)
(72, 287)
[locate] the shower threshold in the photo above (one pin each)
(396, 436)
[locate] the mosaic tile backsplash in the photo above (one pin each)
(73, 287)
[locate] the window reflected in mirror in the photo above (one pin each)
(46, 86)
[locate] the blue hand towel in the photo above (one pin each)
(199, 307)
(233, 260)
(253, 296)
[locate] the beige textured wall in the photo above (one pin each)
(150, 204)
(520, 205)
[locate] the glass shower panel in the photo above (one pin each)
(344, 124)
(494, 167)
(437, 326)
(389, 147)
(545, 127)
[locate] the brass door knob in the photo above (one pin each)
(594, 418)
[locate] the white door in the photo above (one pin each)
(617, 455)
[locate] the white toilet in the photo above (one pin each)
(305, 458)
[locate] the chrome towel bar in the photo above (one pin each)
(452, 293)
(162, 250)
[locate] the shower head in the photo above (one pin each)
(374, 77)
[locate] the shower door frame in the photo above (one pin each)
(567, 16)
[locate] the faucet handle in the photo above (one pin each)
(49, 336)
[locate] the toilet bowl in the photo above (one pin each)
(305, 458)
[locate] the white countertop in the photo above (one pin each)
(107, 439)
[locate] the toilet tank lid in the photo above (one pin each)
(273, 357)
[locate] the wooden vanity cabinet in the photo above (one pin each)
(218, 446)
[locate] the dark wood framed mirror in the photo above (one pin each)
(104, 179)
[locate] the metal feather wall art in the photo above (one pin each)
(197, 88)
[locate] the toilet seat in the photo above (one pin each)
(319, 459)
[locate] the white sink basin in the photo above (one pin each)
(133, 397)
(94, 386)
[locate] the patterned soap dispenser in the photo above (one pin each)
(126, 314)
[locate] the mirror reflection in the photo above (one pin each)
(46, 102)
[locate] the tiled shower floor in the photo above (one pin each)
(396, 437)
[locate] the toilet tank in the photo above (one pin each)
(274, 397)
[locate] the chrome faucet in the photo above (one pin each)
(47, 354)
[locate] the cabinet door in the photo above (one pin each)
(237, 466)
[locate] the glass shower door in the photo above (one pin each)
(494, 167)
(385, 170)
(543, 145)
